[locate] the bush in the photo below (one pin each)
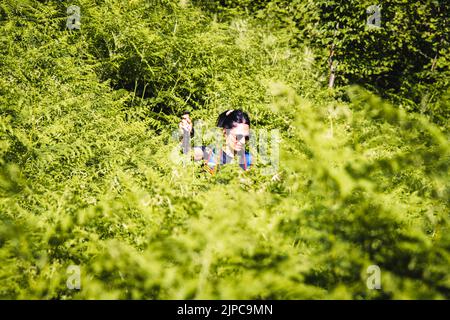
(87, 177)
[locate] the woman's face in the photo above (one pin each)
(237, 136)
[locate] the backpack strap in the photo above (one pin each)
(216, 166)
(218, 160)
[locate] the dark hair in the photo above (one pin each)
(228, 119)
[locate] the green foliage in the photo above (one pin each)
(405, 60)
(87, 177)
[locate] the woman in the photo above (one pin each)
(236, 132)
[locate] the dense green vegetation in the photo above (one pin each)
(406, 60)
(87, 170)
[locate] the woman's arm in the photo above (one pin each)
(186, 132)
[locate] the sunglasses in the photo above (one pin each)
(240, 136)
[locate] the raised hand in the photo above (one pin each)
(185, 126)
